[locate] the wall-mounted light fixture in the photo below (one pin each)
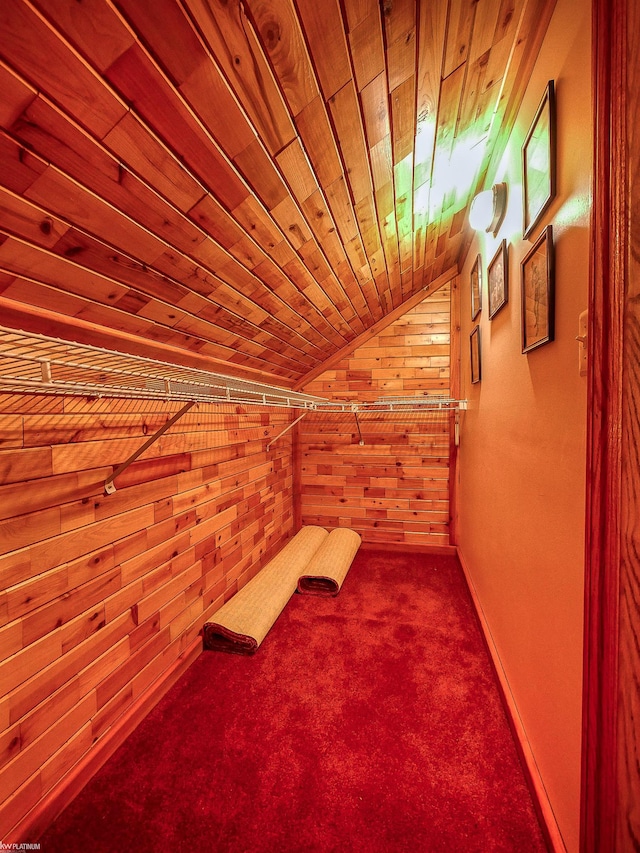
(488, 209)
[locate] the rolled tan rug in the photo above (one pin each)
(244, 621)
(329, 565)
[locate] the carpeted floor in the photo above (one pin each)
(369, 722)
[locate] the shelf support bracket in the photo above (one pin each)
(109, 486)
(355, 414)
(286, 430)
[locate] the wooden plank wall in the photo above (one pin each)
(100, 595)
(395, 488)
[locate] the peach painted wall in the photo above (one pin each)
(521, 491)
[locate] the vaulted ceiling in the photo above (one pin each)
(245, 184)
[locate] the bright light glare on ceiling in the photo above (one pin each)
(457, 173)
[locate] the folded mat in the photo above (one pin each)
(244, 621)
(328, 567)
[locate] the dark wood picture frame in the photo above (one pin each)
(539, 162)
(498, 280)
(475, 280)
(475, 356)
(538, 293)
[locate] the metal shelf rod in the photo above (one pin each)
(109, 485)
(286, 430)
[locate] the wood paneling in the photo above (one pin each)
(253, 183)
(245, 187)
(102, 594)
(395, 487)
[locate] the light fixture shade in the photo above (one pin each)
(488, 208)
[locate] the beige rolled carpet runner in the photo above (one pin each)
(327, 569)
(322, 559)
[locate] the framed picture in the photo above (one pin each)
(498, 280)
(474, 340)
(476, 288)
(539, 162)
(538, 293)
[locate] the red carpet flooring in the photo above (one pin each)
(369, 723)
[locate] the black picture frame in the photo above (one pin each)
(475, 355)
(539, 162)
(498, 280)
(475, 281)
(538, 293)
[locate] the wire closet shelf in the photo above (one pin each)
(34, 363)
(397, 405)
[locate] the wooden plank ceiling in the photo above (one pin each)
(247, 184)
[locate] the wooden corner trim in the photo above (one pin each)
(610, 784)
